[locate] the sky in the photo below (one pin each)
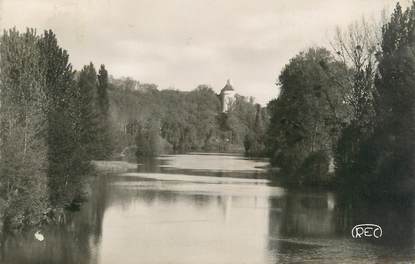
(183, 43)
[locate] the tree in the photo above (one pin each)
(357, 48)
(88, 114)
(65, 169)
(202, 106)
(241, 119)
(22, 146)
(386, 159)
(104, 144)
(307, 115)
(254, 142)
(148, 139)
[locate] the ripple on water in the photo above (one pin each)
(193, 178)
(213, 162)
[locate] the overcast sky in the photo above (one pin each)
(183, 43)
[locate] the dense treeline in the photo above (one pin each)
(147, 121)
(53, 122)
(347, 117)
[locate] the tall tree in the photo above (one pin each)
(22, 146)
(104, 144)
(357, 47)
(63, 141)
(387, 159)
(202, 106)
(88, 114)
(307, 114)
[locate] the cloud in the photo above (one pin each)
(183, 43)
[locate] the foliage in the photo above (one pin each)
(22, 145)
(307, 116)
(104, 141)
(358, 108)
(254, 142)
(65, 165)
(314, 170)
(187, 121)
(386, 158)
(148, 140)
(88, 112)
(357, 48)
(48, 127)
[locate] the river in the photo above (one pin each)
(213, 208)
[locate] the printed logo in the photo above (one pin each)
(367, 230)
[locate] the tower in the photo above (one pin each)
(227, 96)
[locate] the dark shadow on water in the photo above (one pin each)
(317, 226)
(74, 241)
(395, 216)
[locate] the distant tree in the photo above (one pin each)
(148, 140)
(241, 118)
(254, 142)
(104, 144)
(174, 124)
(202, 105)
(129, 84)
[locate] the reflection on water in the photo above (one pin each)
(188, 209)
(75, 242)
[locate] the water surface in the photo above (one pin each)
(213, 208)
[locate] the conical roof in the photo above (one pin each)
(228, 86)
